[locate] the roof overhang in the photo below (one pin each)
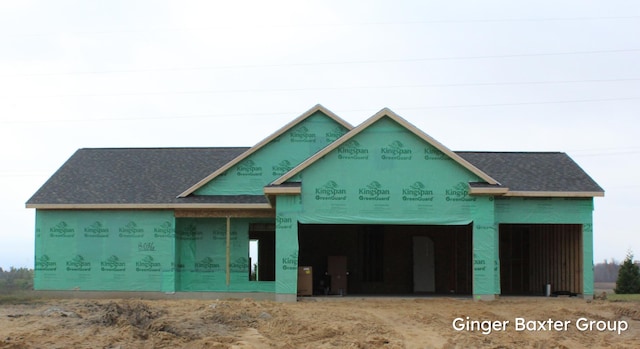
(486, 189)
(556, 194)
(212, 206)
(283, 190)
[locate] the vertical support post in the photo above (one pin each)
(587, 259)
(287, 209)
(228, 264)
(486, 258)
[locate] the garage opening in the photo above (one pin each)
(534, 255)
(387, 259)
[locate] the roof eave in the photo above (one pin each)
(167, 206)
(565, 194)
(488, 191)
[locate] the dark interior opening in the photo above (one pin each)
(265, 234)
(388, 259)
(534, 255)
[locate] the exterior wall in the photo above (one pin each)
(201, 256)
(554, 211)
(104, 250)
(141, 251)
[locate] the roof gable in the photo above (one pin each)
(348, 139)
(251, 171)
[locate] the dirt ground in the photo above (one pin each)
(319, 323)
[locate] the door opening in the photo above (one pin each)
(424, 267)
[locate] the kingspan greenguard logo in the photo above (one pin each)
(96, 230)
(62, 230)
(283, 222)
(239, 265)
(334, 134)
(374, 191)
(395, 151)
(331, 191)
(44, 263)
(459, 192)
(352, 150)
(417, 192)
(283, 167)
(78, 263)
(219, 231)
(206, 265)
(131, 230)
(190, 232)
(431, 153)
(290, 262)
(147, 264)
(302, 135)
(249, 168)
(113, 263)
(164, 230)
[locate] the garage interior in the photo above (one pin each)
(534, 255)
(373, 259)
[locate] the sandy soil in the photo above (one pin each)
(315, 323)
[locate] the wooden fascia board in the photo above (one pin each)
(566, 194)
(253, 213)
(488, 191)
(283, 190)
(146, 206)
(255, 148)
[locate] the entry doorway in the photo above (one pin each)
(424, 267)
(338, 272)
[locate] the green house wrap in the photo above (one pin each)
(381, 208)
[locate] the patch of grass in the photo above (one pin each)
(600, 287)
(19, 297)
(614, 297)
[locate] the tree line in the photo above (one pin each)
(16, 279)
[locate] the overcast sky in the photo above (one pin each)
(475, 75)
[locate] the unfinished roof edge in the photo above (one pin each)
(259, 145)
(385, 112)
(149, 206)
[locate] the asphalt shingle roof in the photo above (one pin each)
(137, 176)
(533, 171)
(158, 175)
